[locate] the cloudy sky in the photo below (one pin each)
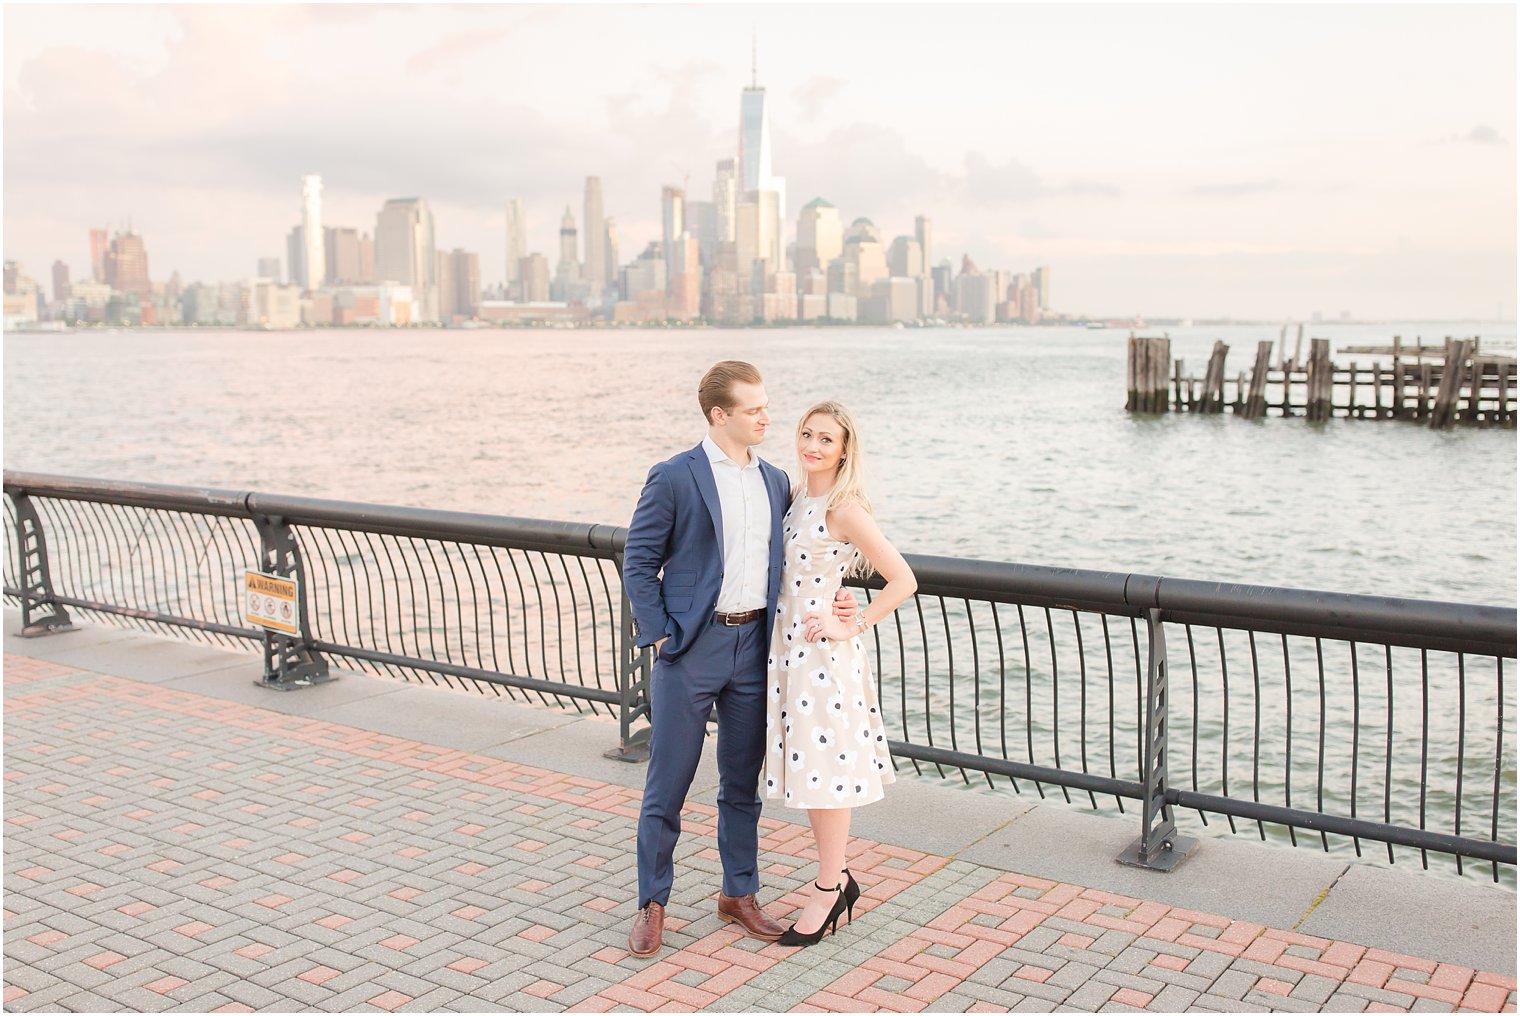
(1263, 161)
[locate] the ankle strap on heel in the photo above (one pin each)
(834, 889)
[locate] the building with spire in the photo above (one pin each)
(761, 195)
(569, 283)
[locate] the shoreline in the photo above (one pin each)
(44, 328)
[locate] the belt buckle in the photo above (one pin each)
(731, 624)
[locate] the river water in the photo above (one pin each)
(1008, 444)
(1002, 444)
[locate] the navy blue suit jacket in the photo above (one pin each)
(673, 560)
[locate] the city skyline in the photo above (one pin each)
(1390, 218)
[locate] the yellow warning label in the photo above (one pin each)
(269, 601)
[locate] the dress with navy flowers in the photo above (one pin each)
(825, 743)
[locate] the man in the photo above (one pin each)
(702, 568)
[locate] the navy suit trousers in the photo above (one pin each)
(725, 666)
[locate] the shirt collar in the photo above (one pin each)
(716, 455)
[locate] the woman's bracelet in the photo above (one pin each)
(861, 624)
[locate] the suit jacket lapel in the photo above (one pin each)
(701, 470)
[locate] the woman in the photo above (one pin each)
(826, 748)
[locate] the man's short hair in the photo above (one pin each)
(716, 390)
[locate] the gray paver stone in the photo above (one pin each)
(1279, 1003)
(1233, 984)
(1173, 998)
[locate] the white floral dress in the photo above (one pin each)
(825, 743)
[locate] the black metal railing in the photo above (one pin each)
(1287, 714)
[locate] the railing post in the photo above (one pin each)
(633, 686)
(289, 661)
(1159, 847)
(36, 581)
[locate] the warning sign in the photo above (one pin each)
(269, 601)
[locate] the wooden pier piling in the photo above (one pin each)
(1463, 387)
(1149, 359)
(1213, 381)
(1456, 373)
(1256, 401)
(1321, 380)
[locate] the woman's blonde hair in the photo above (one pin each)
(849, 481)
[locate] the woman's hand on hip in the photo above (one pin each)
(845, 606)
(816, 626)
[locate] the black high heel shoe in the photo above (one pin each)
(830, 923)
(851, 893)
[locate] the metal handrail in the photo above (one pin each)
(535, 607)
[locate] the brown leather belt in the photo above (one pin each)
(734, 620)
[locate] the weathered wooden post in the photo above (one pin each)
(1397, 380)
(1148, 382)
(1132, 376)
(1213, 380)
(1256, 401)
(1444, 413)
(1320, 383)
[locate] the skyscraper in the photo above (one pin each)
(754, 141)
(446, 289)
(405, 252)
(905, 258)
(923, 230)
(466, 283)
(366, 259)
(673, 219)
(1042, 285)
(311, 231)
(596, 238)
(820, 236)
(725, 197)
(569, 267)
(533, 276)
(126, 265)
(341, 245)
(701, 223)
(569, 282)
(458, 284)
(60, 281)
(269, 268)
(517, 239)
(612, 250)
(761, 200)
(98, 245)
(295, 255)
(685, 301)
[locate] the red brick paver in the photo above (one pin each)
(186, 769)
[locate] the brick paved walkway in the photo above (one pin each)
(169, 850)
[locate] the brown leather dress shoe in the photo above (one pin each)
(746, 913)
(648, 927)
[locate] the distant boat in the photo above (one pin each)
(1097, 325)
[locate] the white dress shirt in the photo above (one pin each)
(746, 510)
